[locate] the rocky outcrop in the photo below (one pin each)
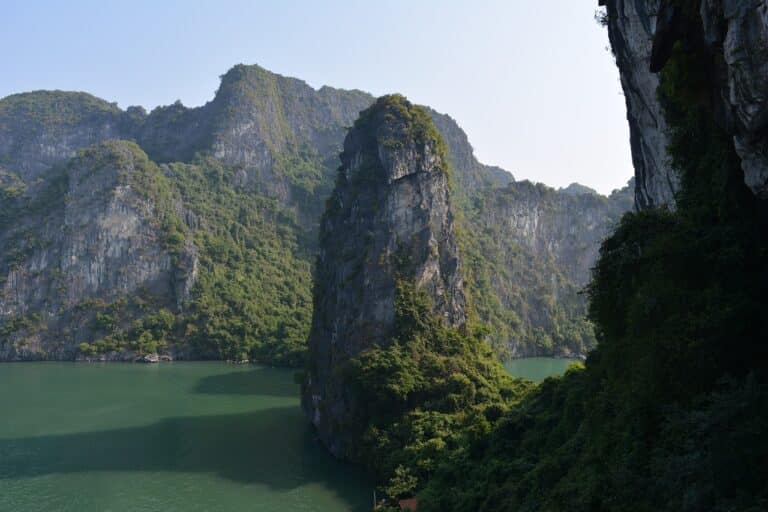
(91, 234)
(531, 252)
(630, 29)
(269, 125)
(268, 146)
(565, 228)
(738, 30)
(735, 32)
(265, 124)
(44, 128)
(389, 218)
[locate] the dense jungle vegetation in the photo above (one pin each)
(671, 410)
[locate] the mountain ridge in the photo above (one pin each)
(267, 147)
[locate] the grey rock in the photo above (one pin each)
(95, 239)
(389, 218)
(631, 26)
(548, 240)
(44, 128)
(148, 358)
(563, 227)
(642, 33)
(744, 25)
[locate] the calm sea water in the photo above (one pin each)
(167, 437)
(171, 437)
(537, 368)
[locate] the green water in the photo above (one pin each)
(171, 437)
(168, 437)
(537, 368)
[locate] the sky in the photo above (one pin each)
(532, 83)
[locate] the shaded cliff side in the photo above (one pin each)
(630, 28)
(671, 409)
(388, 219)
(734, 35)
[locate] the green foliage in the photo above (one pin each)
(11, 190)
(146, 179)
(125, 325)
(19, 323)
(395, 123)
(87, 349)
(512, 288)
(402, 484)
(18, 211)
(252, 294)
(251, 297)
(48, 108)
(671, 411)
(238, 229)
(424, 394)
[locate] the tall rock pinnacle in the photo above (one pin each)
(389, 218)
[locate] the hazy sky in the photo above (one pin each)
(531, 82)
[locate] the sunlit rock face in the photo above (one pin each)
(44, 128)
(388, 218)
(88, 234)
(642, 34)
(279, 139)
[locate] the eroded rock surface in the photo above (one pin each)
(643, 34)
(389, 218)
(92, 233)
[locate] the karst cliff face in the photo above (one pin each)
(389, 218)
(45, 128)
(630, 28)
(82, 259)
(543, 243)
(92, 233)
(265, 151)
(735, 32)
(563, 227)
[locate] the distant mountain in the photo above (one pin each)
(578, 189)
(193, 231)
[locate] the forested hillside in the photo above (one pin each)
(221, 241)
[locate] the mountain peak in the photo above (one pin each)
(397, 137)
(388, 222)
(578, 189)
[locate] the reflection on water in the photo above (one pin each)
(182, 436)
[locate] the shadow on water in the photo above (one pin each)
(239, 447)
(262, 381)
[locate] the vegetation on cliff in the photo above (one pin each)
(254, 167)
(56, 108)
(432, 389)
(395, 123)
(526, 273)
(671, 412)
(252, 296)
(398, 377)
(234, 311)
